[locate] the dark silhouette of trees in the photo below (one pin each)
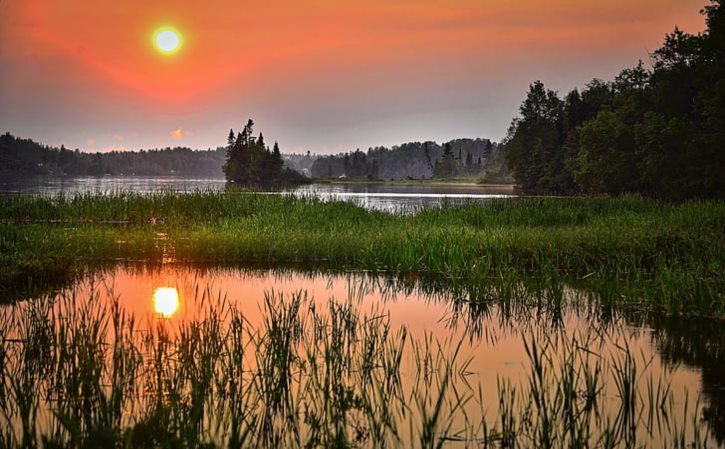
(411, 160)
(252, 164)
(249, 161)
(448, 165)
(659, 132)
(22, 157)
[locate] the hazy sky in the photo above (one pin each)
(323, 75)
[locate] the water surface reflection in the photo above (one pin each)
(500, 365)
(166, 301)
(375, 196)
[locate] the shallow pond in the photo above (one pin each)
(303, 359)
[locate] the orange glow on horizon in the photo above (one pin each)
(319, 75)
(226, 46)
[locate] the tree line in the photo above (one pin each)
(657, 131)
(26, 157)
(419, 160)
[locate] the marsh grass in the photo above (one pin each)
(628, 249)
(80, 372)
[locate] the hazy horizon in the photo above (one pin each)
(181, 145)
(319, 76)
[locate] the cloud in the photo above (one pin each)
(179, 133)
(90, 142)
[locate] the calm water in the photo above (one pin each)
(392, 198)
(677, 365)
(50, 185)
(404, 198)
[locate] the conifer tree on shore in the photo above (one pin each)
(251, 163)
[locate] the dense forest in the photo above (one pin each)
(247, 160)
(657, 131)
(250, 162)
(26, 157)
(418, 160)
(300, 162)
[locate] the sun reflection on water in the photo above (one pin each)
(166, 301)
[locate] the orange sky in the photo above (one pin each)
(321, 75)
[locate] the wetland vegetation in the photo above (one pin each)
(609, 309)
(631, 250)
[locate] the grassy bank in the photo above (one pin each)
(628, 249)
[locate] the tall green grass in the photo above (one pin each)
(660, 254)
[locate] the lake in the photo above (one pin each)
(303, 358)
(386, 197)
(180, 354)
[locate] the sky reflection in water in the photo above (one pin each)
(684, 354)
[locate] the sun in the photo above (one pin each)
(167, 40)
(166, 301)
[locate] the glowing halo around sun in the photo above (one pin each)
(167, 40)
(166, 301)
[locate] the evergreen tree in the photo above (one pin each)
(447, 166)
(534, 139)
(231, 138)
(277, 161)
(659, 132)
(250, 162)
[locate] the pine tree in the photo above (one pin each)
(446, 167)
(230, 139)
(231, 166)
(248, 130)
(277, 161)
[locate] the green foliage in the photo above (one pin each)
(534, 140)
(607, 160)
(664, 255)
(658, 132)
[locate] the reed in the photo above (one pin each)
(663, 255)
(78, 372)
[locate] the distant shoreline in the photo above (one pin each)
(460, 182)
